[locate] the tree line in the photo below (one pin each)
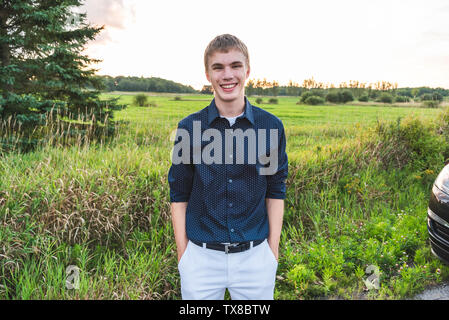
(363, 90)
(153, 84)
(262, 87)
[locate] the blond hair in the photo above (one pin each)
(224, 43)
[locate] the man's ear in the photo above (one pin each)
(207, 76)
(248, 72)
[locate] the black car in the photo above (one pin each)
(438, 216)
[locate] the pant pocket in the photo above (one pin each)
(183, 257)
(271, 252)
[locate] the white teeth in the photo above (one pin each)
(229, 86)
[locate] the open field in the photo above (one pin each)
(352, 201)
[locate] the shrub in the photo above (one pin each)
(177, 98)
(314, 100)
(301, 275)
(346, 96)
(305, 95)
(426, 97)
(310, 93)
(374, 94)
(385, 98)
(273, 101)
(364, 98)
(340, 96)
(443, 126)
(431, 97)
(401, 99)
(430, 103)
(333, 97)
(141, 100)
(406, 141)
(318, 92)
(259, 100)
(437, 96)
(431, 100)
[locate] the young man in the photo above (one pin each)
(227, 206)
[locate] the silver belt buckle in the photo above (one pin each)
(229, 245)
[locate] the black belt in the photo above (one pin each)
(230, 248)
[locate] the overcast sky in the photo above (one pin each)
(334, 41)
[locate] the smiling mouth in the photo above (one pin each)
(228, 86)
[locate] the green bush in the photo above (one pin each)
(301, 276)
(346, 96)
(374, 94)
(273, 101)
(431, 97)
(437, 96)
(310, 93)
(340, 96)
(385, 98)
(319, 92)
(408, 141)
(259, 100)
(141, 100)
(443, 125)
(426, 97)
(314, 100)
(431, 104)
(401, 99)
(304, 96)
(364, 98)
(431, 100)
(333, 97)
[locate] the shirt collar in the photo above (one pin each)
(212, 112)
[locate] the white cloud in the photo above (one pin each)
(112, 13)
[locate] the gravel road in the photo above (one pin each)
(440, 292)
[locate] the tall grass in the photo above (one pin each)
(58, 130)
(104, 206)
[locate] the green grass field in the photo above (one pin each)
(352, 201)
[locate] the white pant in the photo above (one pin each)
(206, 273)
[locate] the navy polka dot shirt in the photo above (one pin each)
(226, 198)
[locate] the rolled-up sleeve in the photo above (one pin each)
(276, 188)
(180, 177)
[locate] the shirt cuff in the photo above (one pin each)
(276, 192)
(179, 197)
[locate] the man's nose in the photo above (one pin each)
(227, 73)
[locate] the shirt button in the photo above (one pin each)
(230, 156)
(230, 204)
(232, 230)
(230, 180)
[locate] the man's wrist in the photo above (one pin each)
(274, 246)
(181, 248)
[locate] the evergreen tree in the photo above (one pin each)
(43, 71)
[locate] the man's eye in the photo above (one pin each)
(236, 66)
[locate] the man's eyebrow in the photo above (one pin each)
(220, 64)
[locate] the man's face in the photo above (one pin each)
(227, 73)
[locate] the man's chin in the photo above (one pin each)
(229, 97)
